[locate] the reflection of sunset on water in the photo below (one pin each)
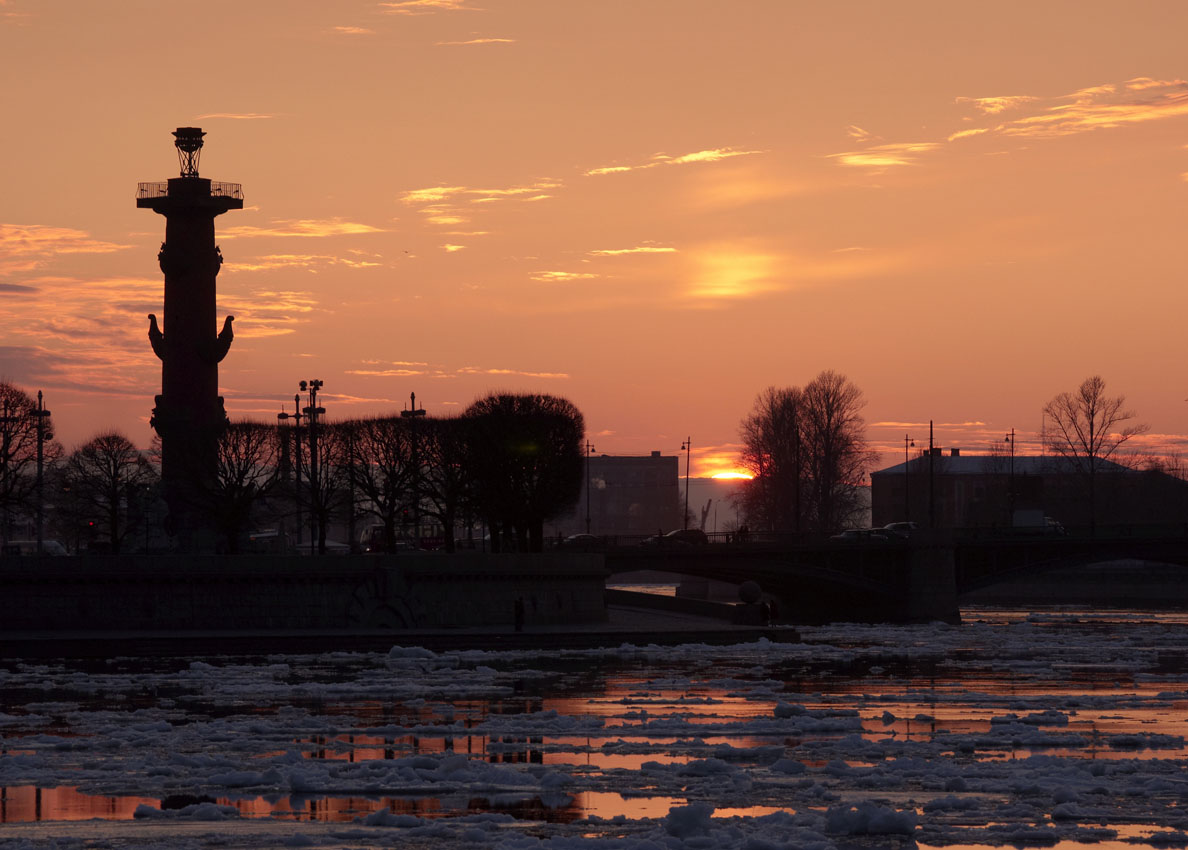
(24, 803)
(616, 743)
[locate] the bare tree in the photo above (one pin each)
(248, 471)
(807, 452)
(382, 470)
(104, 475)
(835, 446)
(771, 453)
(445, 483)
(329, 480)
(18, 454)
(1088, 427)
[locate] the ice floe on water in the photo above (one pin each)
(1026, 732)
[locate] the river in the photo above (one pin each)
(1063, 728)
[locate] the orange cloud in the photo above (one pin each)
(437, 194)
(965, 134)
(300, 227)
(354, 31)
(386, 373)
(640, 249)
(476, 41)
(75, 333)
(442, 217)
(712, 155)
(431, 195)
(995, 105)
(1140, 83)
(405, 369)
(885, 156)
(25, 247)
(1105, 106)
(267, 312)
(561, 277)
(426, 7)
(237, 116)
(473, 370)
(270, 262)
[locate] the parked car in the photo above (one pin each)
(902, 529)
(29, 547)
(689, 535)
(582, 542)
(863, 535)
(1039, 526)
(678, 537)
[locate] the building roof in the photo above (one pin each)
(997, 465)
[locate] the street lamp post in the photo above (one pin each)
(931, 479)
(296, 417)
(1010, 438)
(589, 451)
(311, 415)
(907, 502)
(43, 434)
(415, 414)
(687, 447)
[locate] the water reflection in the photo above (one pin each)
(27, 804)
(608, 725)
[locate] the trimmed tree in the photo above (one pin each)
(525, 459)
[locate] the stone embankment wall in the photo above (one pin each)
(292, 592)
(1124, 584)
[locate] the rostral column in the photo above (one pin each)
(189, 415)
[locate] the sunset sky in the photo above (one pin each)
(655, 208)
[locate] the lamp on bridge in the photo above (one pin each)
(589, 451)
(1010, 438)
(686, 447)
(907, 502)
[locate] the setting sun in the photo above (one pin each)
(746, 476)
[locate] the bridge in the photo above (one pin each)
(913, 580)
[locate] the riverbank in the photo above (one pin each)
(624, 625)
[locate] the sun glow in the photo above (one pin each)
(746, 476)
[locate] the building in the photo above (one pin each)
(628, 496)
(952, 490)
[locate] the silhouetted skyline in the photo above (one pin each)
(654, 212)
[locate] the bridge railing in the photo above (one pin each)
(601, 542)
(1101, 532)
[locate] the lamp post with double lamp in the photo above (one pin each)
(687, 447)
(589, 451)
(907, 502)
(296, 417)
(1010, 438)
(312, 412)
(44, 433)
